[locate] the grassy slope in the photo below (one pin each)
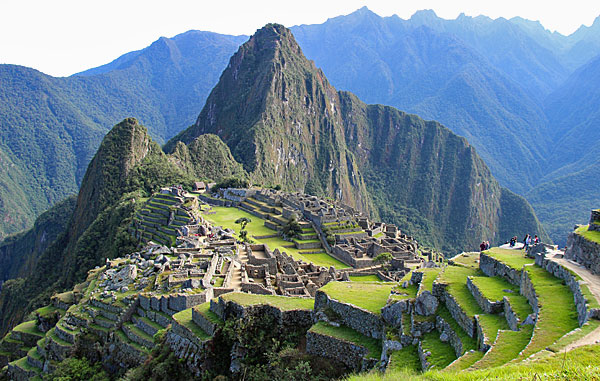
(373, 346)
(282, 302)
(226, 217)
(371, 296)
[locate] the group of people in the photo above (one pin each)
(484, 245)
(527, 241)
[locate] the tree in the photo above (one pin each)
(243, 222)
(292, 228)
(383, 259)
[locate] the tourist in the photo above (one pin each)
(482, 246)
(536, 240)
(513, 241)
(525, 241)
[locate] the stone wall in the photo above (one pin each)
(528, 291)
(511, 317)
(584, 252)
(572, 281)
(350, 354)
(450, 336)
(493, 267)
(467, 323)
(489, 306)
(392, 313)
(483, 342)
(352, 316)
(226, 309)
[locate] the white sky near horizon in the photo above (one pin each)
(63, 37)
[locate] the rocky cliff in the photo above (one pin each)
(287, 125)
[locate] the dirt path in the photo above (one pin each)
(593, 283)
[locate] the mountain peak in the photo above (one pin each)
(424, 15)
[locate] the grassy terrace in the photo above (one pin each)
(495, 288)
(401, 293)
(557, 315)
(29, 327)
(442, 354)
(23, 364)
(226, 217)
(371, 296)
(574, 335)
(467, 341)
(579, 364)
(406, 359)
(429, 275)
(373, 346)
(470, 260)
(593, 236)
(456, 279)
(282, 302)
(364, 278)
(513, 258)
(185, 319)
(507, 346)
(465, 361)
(204, 310)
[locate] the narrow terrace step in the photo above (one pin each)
(146, 325)
(138, 336)
(35, 359)
(65, 333)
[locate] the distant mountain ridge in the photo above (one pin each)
(491, 81)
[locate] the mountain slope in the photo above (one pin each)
(51, 127)
(287, 125)
(408, 65)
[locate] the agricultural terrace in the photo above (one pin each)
(226, 217)
(371, 296)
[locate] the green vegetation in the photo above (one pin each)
(456, 279)
(364, 278)
(373, 346)
(406, 358)
(29, 327)
(442, 354)
(468, 342)
(282, 302)
(575, 335)
(429, 276)
(512, 258)
(185, 319)
(371, 296)
(506, 347)
(495, 288)
(226, 217)
(204, 310)
(557, 315)
(75, 369)
(590, 235)
(470, 260)
(465, 361)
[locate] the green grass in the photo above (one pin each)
(57, 339)
(185, 319)
(456, 279)
(218, 281)
(590, 235)
(226, 217)
(506, 347)
(379, 235)
(467, 341)
(204, 310)
(364, 278)
(23, 364)
(557, 315)
(513, 258)
(47, 310)
(373, 346)
(574, 335)
(579, 364)
(429, 275)
(371, 296)
(493, 288)
(405, 358)
(29, 327)
(491, 324)
(442, 354)
(282, 302)
(130, 342)
(470, 260)
(465, 361)
(33, 353)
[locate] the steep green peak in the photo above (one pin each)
(124, 146)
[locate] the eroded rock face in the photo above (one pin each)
(122, 278)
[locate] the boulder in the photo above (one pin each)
(426, 304)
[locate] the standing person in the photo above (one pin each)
(487, 245)
(482, 246)
(525, 241)
(528, 240)
(536, 239)
(512, 242)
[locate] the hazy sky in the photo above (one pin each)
(62, 37)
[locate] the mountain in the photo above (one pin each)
(422, 66)
(51, 127)
(287, 125)
(570, 188)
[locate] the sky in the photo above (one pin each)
(63, 37)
